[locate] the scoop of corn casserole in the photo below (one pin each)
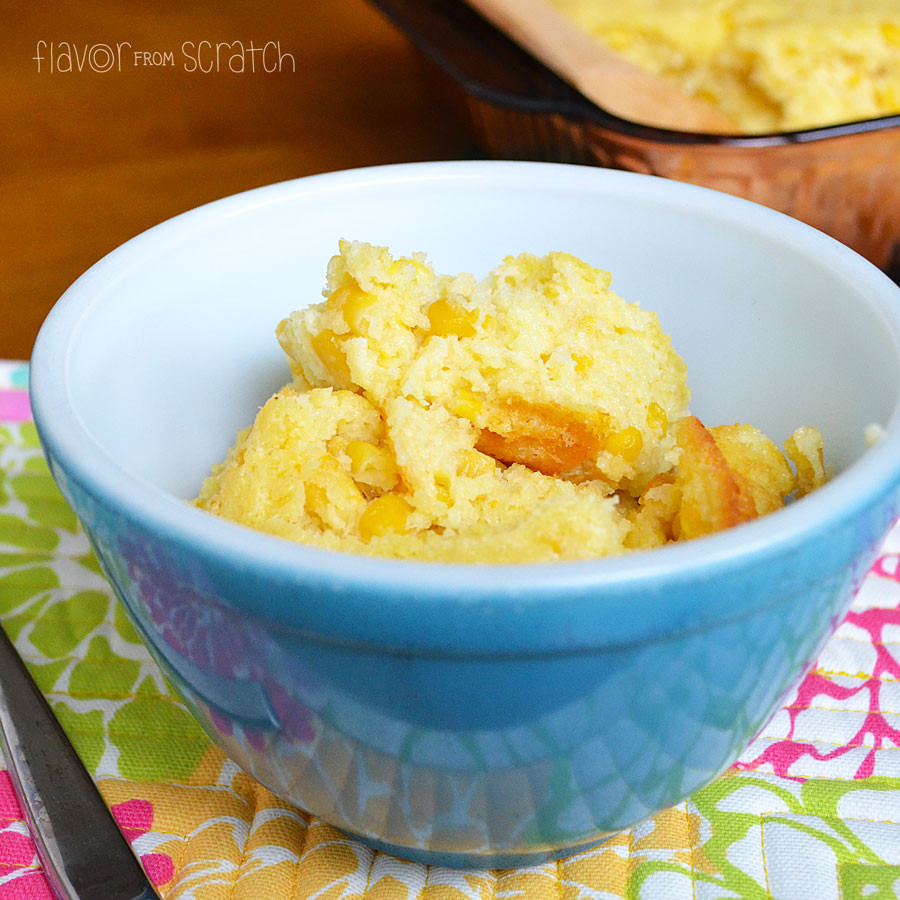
(532, 416)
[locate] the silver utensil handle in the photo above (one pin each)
(85, 856)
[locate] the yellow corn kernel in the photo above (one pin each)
(363, 455)
(447, 319)
(626, 443)
(386, 514)
(891, 33)
(582, 363)
(354, 303)
(442, 488)
(888, 96)
(468, 404)
(488, 322)
(657, 418)
(327, 346)
(399, 266)
(475, 464)
(331, 493)
(372, 465)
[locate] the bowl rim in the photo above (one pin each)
(414, 586)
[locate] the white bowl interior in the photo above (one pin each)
(177, 349)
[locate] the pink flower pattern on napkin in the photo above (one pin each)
(14, 406)
(818, 689)
(21, 875)
(135, 818)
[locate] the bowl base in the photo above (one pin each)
(478, 860)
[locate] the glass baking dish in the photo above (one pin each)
(843, 179)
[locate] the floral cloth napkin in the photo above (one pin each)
(810, 812)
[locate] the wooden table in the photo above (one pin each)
(153, 124)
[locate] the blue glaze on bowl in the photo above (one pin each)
(460, 715)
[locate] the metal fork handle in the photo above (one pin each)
(85, 856)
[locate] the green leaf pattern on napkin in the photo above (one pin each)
(109, 695)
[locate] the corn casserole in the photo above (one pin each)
(771, 65)
(532, 416)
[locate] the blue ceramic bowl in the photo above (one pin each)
(472, 715)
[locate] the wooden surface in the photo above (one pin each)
(90, 158)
